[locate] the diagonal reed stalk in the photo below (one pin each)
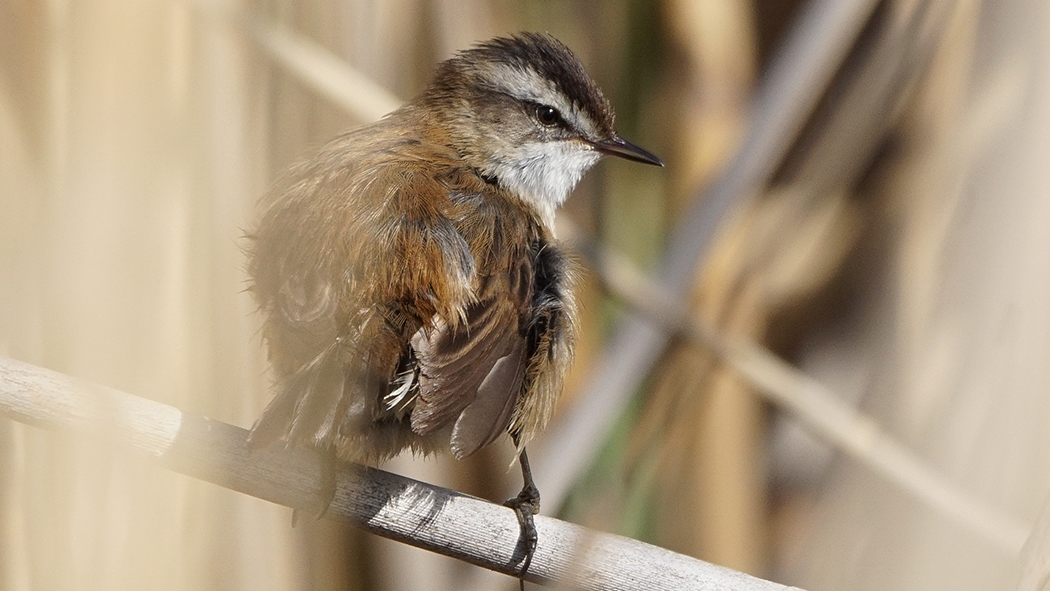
(437, 519)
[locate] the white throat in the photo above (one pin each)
(543, 173)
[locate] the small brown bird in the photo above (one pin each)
(414, 294)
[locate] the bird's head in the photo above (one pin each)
(523, 112)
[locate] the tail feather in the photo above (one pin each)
(306, 405)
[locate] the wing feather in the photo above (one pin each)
(488, 416)
(471, 374)
(454, 361)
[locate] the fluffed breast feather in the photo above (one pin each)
(383, 258)
(335, 231)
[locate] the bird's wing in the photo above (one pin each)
(471, 374)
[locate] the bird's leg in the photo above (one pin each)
(319, 504)
(526, 504)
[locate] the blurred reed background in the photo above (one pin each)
(899, 253)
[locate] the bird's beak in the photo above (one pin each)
(618, 146)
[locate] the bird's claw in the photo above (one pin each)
(526, 505)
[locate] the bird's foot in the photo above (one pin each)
(526, 505)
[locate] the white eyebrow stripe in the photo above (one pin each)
(527, 84)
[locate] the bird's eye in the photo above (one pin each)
(547, 115)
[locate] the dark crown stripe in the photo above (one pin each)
(553, 61)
